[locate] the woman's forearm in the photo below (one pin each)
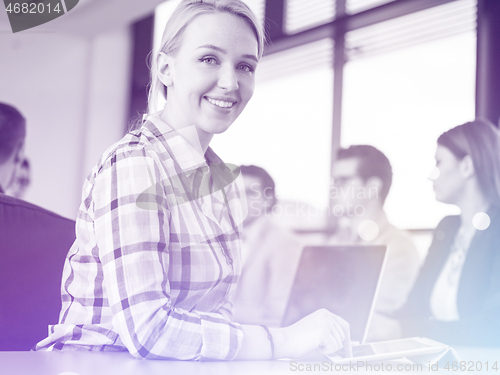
(320, 330)
(256, 345)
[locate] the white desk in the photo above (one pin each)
(86, 363)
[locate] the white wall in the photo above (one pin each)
(73, 92)
(108, 94)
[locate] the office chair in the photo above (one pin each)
(33, 246)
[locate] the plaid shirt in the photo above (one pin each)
(157, 254)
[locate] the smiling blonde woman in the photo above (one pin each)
(157, 254)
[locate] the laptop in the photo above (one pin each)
(343, 279)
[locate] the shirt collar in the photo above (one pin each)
(189, 158)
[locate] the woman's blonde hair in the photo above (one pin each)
(185, 12)
(481, 140)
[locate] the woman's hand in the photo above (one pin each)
(322, 331)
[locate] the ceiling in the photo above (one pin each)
(91, 17)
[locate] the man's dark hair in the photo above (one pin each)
(12, 131)
(371, 163)
(267, 182)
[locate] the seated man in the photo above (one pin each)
(270, 256)
(12, 134)
(362, 177)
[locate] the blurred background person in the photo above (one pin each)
(270, 255)
(362, 177)
(12, 135)
(456, 298)
(21, 181)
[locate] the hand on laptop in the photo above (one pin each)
(322, 331)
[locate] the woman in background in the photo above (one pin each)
(157, 254)
(456, 298)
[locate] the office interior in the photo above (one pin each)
(394, 74)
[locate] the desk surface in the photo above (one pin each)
(87, 363)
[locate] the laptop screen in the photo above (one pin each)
(342, 279)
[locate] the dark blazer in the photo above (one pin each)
(33, 246)
(478, 299)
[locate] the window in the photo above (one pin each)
(356, 6)
(408, 80)
(286, 127)
(302, 15)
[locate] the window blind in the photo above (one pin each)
(302, 15)
(431, 24)
(356, 6)
(286, 63)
